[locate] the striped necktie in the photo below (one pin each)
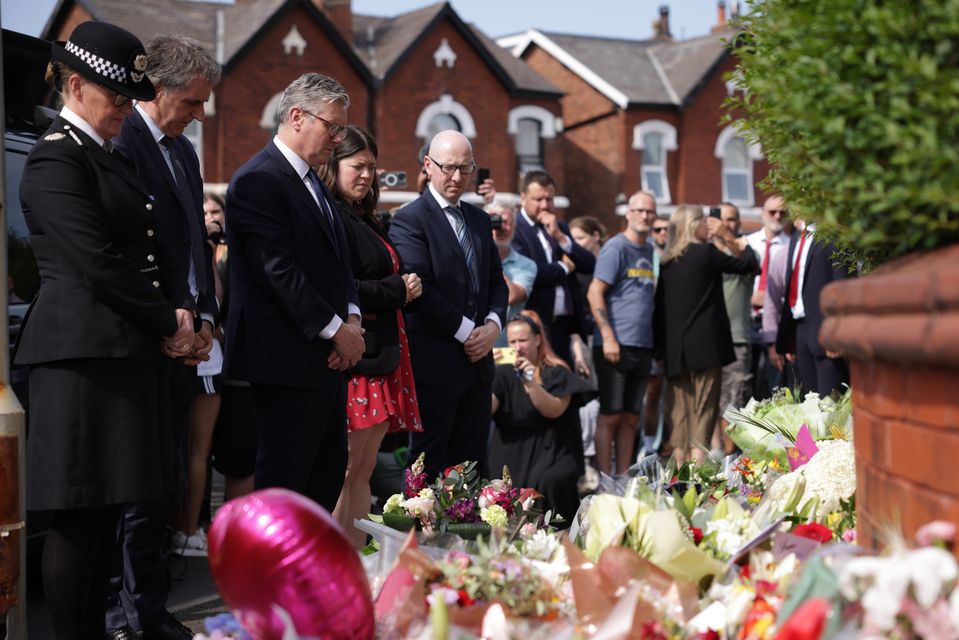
(463, 237)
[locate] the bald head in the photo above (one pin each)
(450, 149)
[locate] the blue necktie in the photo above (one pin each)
(463, 237)
(321, 201)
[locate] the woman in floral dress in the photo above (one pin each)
(381, 396)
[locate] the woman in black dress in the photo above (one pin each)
(537, 425)
(100, 434)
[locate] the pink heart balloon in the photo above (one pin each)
(278, 549)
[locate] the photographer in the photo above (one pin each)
(518, 270)
(537, 425)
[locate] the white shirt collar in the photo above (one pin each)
(443, 202)
(526, 217)
(299, 164)
(151, 125)
(81, 124)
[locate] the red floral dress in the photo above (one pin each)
(371, 400)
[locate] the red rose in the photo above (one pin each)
(697, 535)
(464, 599)
(807, 621)
(813, 531)
(709, 634)
(744, 572)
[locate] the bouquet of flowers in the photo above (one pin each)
(459, 502)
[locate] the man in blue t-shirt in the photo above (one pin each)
(621, 299)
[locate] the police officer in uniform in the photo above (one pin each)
(99, 327)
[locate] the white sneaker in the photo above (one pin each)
(191, 546)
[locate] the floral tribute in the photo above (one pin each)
(458, 501)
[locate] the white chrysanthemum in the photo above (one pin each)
(830, 476)
(394, 504)
(541, 546)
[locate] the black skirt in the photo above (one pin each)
(99, 433)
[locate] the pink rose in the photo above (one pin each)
(937, 531)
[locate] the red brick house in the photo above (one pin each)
(408, 77)
(646, 114)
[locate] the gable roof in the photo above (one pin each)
(631, 72)
(384, 42)
(242, 24)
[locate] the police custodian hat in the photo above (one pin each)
(108, 55)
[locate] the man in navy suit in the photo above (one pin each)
(293, 326)
(454, 323)
(152, 140)
(544, 238)
(809, 270)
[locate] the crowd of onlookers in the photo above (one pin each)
(289, 328)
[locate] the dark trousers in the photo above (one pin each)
(139, 579)
(817, 372)
(560, 330)
(456, 419)
(302, 439)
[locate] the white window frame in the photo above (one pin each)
(446, 105)
(754, 152)
(667, 133)
(196, 139)
(268, 117)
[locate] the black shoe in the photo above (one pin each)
(123, 633)
(168, 629)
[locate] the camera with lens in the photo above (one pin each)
(218, 236)
(393, 179)
(496, 220)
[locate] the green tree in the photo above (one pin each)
(856, 105)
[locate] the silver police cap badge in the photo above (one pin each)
(140, 64)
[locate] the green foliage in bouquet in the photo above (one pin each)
(856, 106)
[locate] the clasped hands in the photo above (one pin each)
(186, 345)
(480, 341)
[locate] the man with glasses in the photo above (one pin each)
(454, 323)
(293, 327)
(621, 299)
(765, 364)
(543, 237)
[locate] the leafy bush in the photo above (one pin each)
(856, 105)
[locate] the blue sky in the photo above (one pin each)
(613, 18)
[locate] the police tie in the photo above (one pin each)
(466, 243)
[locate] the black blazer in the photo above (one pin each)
(690, 323)
(549, 275)
(92, 228)
(428, 247)
(820, 271)
(381, 292)
(288, 276)
(136, 143)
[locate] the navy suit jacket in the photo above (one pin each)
(137, 145)
(820, 271)
(289, 275)
(428, 247)
(550, 275)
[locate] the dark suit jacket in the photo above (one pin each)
(550, 275)
(288, 276)
(819, 272)
(690, 323)
(136, 143)
(92, 228)
(428, 246)
(381, 292)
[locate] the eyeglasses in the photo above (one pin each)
(450, 169)
(118, 100)
(782, 212)
(335, 130)
(660, 229)
(641, 210)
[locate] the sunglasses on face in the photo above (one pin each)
(660, 229)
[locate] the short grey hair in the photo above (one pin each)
(500, 206)
(308, 92)
(175, 61)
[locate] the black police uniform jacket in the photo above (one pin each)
(100, 315)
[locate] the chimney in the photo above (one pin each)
(720, 16)
(733, 9)
(661, 26)
(340, 13)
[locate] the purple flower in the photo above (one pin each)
(463, 510)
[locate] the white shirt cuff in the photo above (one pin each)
(562, 265)
(466, 327)
(566, 245)
(209, 318)
(353, 310)
(495, 319)
(330, 330)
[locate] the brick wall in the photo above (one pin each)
(233, 135)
